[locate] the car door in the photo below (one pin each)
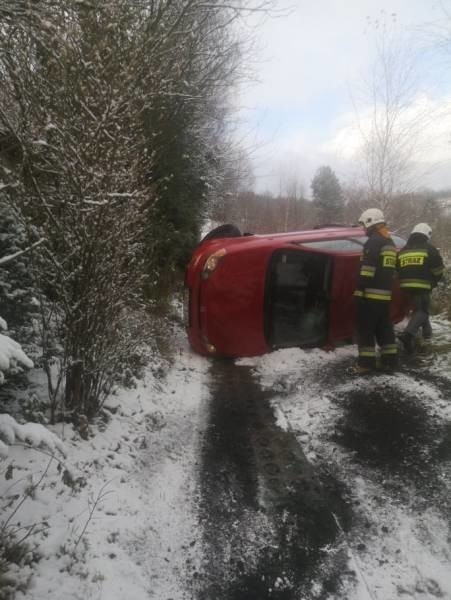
(297, 298)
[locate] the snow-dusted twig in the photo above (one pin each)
(100, 496)
(41, 451)
(32, 530)
(16, 529)
(26, 495)
(7, 259)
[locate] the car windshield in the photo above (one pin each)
(345, 244)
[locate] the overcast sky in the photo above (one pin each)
(299, 114)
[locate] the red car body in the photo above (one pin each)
(248, 295)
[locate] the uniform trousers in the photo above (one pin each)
(419, 319)
(374, 326)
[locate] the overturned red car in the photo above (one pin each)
(246, 295)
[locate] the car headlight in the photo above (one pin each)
(210, 348)
(212, 262)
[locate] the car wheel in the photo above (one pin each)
(223, 231)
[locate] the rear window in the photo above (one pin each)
(345, 245)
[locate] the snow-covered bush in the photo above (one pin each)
(85, 185)
(18, 544)
(34, 408)
(16, 559)
(18, 336)
(441, 295)
(116, 120)
(12, 357)
(31, 434)
(19, 306)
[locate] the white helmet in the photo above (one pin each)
(424, 229)
(370, 217)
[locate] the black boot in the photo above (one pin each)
(408, 342)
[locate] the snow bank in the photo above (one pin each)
(137, 474)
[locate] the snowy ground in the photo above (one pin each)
(128, 521)
(123, 525)
(388, 440)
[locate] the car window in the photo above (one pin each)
(399, 241)
(345, 244)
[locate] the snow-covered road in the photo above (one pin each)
(267, 518)
(386, 442)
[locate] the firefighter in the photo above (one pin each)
(420, 268)
(373, 293)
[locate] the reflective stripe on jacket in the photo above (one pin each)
(377, 267)
(420, 266)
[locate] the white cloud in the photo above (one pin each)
(428, 118)
(298, 155)
(303, 115)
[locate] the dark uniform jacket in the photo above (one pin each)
(419, 264)
(377, 267)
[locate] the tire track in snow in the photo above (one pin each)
(269, 531)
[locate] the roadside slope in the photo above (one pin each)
(121, 521)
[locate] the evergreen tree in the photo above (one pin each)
(185, 124)
(18, 304)
(328, 199)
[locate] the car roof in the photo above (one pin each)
(290, 237)
(331, 240)
(329, 232)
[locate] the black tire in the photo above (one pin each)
(223, 231)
